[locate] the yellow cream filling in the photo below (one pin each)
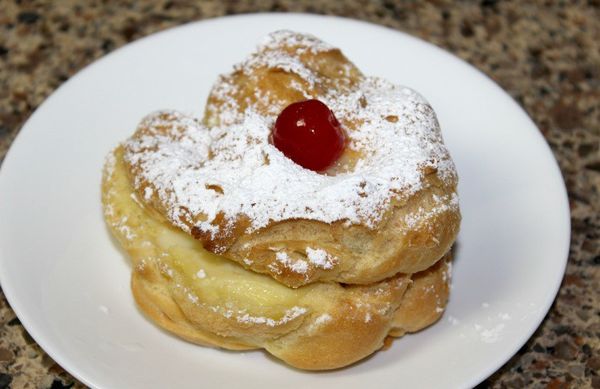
(208, 279)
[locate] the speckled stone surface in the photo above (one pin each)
(546, 54)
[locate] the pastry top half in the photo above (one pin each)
(388, 205)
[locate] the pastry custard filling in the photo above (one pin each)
(226, 286)
(205, 278)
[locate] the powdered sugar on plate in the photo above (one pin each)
(199, 174)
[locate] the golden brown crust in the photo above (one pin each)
(424, 302)
(330, 325)
(365, 255)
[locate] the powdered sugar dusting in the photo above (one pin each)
(323, 318)
(298, 265)
(289, 315)
(201, 274)
(241, 315)
(442, 204)
(447, 274)
(320, 258)
(490, 335)
(303, 42)
(453, 320)
(199, 173)
(122, 226)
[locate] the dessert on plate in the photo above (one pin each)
(310, 212)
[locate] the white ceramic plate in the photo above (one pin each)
(69, 283)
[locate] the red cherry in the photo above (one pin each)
(308, 133)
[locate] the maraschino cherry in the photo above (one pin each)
(308, 133)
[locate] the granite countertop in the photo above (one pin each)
(547, 57)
